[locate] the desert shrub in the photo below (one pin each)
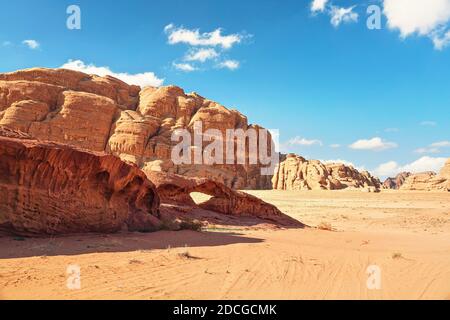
(193, 225)
(325, 226)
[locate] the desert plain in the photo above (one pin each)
(405, 234)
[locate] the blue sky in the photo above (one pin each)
(376, 98)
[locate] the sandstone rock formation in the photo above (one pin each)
(397, 182)
(429, 181)
(445, 172)
(297, 173)
(49, 188)
(106, 114)
(175, 189)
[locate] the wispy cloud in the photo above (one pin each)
(335, 145)
(428, 123)
(204, 47)
(440, 39)
(337, 14)
(201, 55)
(427, 150)
(342, 15)
(141, 79)
(441, 144)
(374, 144)
(193, 37)
(299, 141)
(229, 64)
(434, 147)
(32, 44)
(186, 67)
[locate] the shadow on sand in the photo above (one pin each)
(20, 247)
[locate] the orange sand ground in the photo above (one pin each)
(406, 234)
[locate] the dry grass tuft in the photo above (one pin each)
(326, 226)
(397, 255)
(193, 225)
(187, 255)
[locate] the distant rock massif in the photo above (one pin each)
(424, 181)
(297, 173)
(397, 182)
(429, 181)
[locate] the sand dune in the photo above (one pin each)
(405, 234)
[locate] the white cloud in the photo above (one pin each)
(201, 55)
(318, 5)
(434, 147)
(186, 67)
(340, 15)
(141, 79)
(428, 123)
(427, 150)
(32, 44)
(195, 38)
(299, 141)
(388, 169)
(392, 168)
(441, 144)
(229, 64)
(440, 40)
(424, 18)
(374, 144)
(416, 16)
(337, 14)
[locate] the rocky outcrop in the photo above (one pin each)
(177, 190)
(49, 188)
(106, 114)
(429, 181)
(397, 182)
(445, 172)
(297, 173)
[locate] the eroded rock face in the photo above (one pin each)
(49, 188)
(176, 190)
(397, 182)
(445, 172)
(106, 114)
(297, 173)
(429, 181)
